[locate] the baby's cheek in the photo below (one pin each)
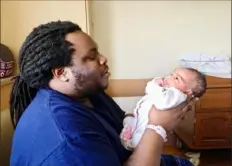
(169, 83)
(182, 86)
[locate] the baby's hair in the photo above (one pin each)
(201, 83)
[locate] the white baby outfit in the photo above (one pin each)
(162, 98)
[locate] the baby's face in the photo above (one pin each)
(181, 79)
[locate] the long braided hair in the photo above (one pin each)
(43, 50)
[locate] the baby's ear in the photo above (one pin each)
(190, 93)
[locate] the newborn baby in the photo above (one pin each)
(164, 93)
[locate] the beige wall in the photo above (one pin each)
(148, 37)
(152, 35)
(18, 18)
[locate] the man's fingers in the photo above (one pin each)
(188, 105)
(182, 105)
(184, 109)
(179, 109)
(187, 108)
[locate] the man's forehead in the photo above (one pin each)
(81, 40)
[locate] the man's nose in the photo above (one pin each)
(103, 60)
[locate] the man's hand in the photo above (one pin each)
(169, 119)
(150, 147)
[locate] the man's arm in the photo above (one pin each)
(87, 149)
(93, 149)
(148, 151)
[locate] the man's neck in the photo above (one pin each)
(86, 102)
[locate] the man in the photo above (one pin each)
(61, 113)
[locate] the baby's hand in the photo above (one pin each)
(159, 81)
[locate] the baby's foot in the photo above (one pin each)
(126, 133)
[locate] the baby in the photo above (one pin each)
(164, 93)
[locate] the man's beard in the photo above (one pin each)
(87, 85)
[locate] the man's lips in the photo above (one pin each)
(106, 72)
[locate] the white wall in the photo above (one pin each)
(148, 37)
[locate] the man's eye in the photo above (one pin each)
(93, 56)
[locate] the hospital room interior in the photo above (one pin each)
(141, 40)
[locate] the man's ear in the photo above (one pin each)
(61, 74)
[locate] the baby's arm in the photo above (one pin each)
(167, 97)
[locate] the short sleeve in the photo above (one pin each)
(89, 149)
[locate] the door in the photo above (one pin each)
(213, 129)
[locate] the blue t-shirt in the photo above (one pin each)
(56, 130)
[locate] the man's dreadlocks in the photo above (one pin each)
(43, 50)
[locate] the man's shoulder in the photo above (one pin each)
(72, 117)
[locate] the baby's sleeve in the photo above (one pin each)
(167, 98)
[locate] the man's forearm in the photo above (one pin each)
(148, 151)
